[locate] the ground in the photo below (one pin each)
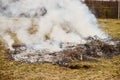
(103, 69)
(111, 27)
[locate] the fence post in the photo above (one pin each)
(118, 9)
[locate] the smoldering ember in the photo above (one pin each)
(92, 50)
(53, 31)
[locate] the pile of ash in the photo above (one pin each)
(93, 49)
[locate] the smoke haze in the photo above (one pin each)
(52, 22)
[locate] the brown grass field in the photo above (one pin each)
(103, 69)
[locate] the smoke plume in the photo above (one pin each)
(45, 24)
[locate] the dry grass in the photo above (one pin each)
(111, 26)
(87, 70)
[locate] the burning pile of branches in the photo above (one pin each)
(91, 50)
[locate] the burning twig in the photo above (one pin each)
(90, 50)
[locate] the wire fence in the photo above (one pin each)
(104, 9)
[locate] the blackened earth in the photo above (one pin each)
(92, 50)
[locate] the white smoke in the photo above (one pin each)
(56, 21)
